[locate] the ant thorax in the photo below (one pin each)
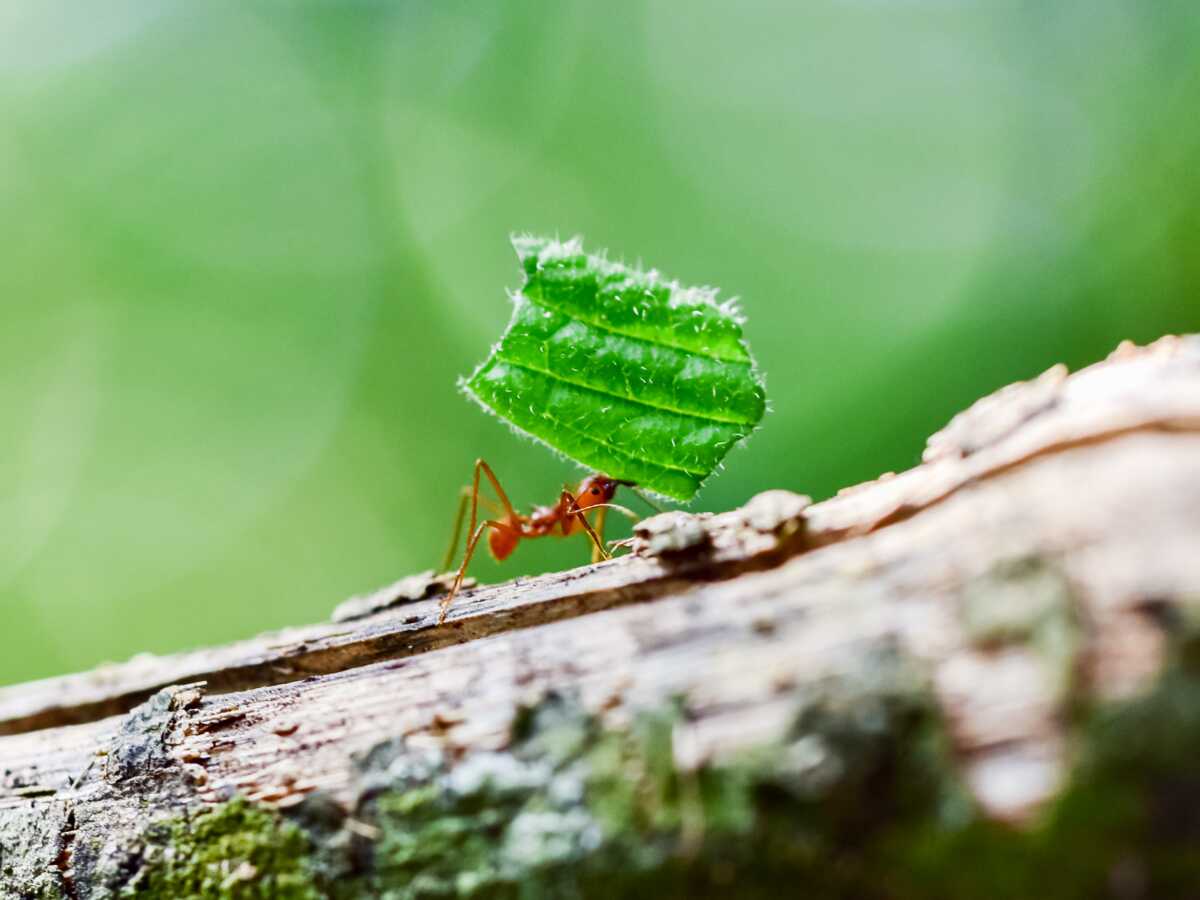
(544, 518)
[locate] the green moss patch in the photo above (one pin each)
(858, 800)
(235, 851)
(1128, 826)
(576, 810)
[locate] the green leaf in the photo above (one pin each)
(620, 370)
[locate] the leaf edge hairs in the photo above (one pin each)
(621, 370)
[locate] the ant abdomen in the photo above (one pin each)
(502, 543)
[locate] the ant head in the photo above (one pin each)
(598, 489)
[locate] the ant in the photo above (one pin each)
(566, 517)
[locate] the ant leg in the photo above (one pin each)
(464, 497)
(573, 509)
(476, 534)
(600, 516)
(473, 491)
(601, 509)
(487, 470)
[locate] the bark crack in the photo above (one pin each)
(64, 862)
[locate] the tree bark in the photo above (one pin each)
(946, 681)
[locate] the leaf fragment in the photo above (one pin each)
(621, 370)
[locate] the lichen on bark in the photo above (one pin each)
(857, 801)
(573, 808)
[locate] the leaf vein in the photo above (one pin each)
(522, 364)
(543, 301)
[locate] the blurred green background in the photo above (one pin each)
(248, 248)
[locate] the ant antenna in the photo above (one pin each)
(623, 510)
(650, 503)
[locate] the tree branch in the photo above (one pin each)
(1034, 576)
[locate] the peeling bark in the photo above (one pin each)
(1032, 580)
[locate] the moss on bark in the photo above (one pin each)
(574, 809)
(234, 851)
(858, 801)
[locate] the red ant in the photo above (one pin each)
(566, 517)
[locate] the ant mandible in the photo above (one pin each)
(566, 517)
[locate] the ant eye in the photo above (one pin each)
(595, 490)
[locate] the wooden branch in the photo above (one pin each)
(1034, 569)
